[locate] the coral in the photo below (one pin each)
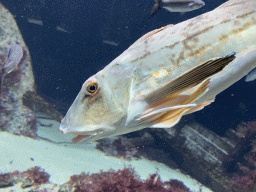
(36, 175)
(121, 148)
(125, 180)
(33, 176)
(14, 116)
(245, 179)
(240, 164)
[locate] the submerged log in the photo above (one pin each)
(202, 153)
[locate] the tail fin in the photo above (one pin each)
(157, 6)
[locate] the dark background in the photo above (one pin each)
(63, 61)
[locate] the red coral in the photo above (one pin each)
(37, 175)
(245, 179)
(125, 180)
(241, 162)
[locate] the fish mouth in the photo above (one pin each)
(82, 136)
(78, 130)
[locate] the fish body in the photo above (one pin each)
(40, 22)
(111, 42)
(167, 73)
(251, 76)
(14, 57)
(177, 5)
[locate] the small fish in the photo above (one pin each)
(167, 73)
(39, 22)
(110, 42)
(251, 76)
(177, 5)
(14, 57)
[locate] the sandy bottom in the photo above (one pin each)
(63, 160)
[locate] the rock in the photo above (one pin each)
(14, 116)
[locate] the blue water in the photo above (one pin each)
(63, 61)
(66, 60)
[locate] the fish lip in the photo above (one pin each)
(64, 130)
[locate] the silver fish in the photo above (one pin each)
(40, 22)
(251, 76)
(177, 5)
(14, 57)
(167, 73)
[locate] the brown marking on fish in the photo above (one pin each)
(223, 38)
(115, 64)
(245, 15)
(244, 27)
(199, 32)
(236, 23)
(225, 21)
(153, 33)
(173, 55)
(161, 65)
(142, 57)
(195, 39)
(181, 57)
(199, 51)
(188, 47)
(170, 46)
(172, 60)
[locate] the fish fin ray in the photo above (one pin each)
(189, 79)
(201, 106)
(170, 122)
(172, 117)
(166, 115)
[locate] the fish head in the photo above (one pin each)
(100, 106)
(195, 4)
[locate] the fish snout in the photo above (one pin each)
(202, 4)
(63, 129)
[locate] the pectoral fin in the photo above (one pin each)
(189, 79)
(166, 105)
(170, 118)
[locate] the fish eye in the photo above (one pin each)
(92, 88)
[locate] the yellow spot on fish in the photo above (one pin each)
(158, 74)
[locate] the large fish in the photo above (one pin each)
(167, 73)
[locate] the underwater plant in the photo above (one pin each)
(125, 180)
(240, 164)
(33, 176)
